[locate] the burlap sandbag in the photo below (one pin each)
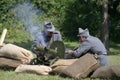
(107, 72)
(58, 69)
(7, 62)
(16, 52)
(61, 64)
(37, 69)
(82, 67)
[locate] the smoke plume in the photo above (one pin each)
(27, 14)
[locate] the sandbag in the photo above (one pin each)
(7, 62)
(107, 72)
(16, 52)
(37, 69)
(58, 69)
(82, 67)
(61, 64)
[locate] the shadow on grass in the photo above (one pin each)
(7, 68)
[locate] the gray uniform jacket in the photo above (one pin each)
(91, 44)
(94, 45)
(42, 40)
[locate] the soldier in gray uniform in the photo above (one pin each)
(46, 37)
(89, 44)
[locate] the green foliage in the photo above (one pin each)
(118, 8)
(66, 15)
(114, 22)
(84, 14)
(53, 10)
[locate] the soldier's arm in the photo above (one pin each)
(82, 49)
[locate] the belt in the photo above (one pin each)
(102, 53)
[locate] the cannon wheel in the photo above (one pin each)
(59, 47)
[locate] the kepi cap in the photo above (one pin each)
(82, 32)
(48, 26)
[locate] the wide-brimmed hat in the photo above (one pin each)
(82, 32)
(48, 26)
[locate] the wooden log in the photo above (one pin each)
(3, 37)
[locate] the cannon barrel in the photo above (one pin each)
(43, 49)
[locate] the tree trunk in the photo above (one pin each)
(104, 28)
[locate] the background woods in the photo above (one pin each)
(24, 18)
(67, 16)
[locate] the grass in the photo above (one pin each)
(11, 75)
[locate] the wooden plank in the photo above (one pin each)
(3, 37)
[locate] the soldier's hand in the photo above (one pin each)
(70, 51)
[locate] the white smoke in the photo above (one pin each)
(27, 13)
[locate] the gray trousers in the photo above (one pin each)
(103, 60)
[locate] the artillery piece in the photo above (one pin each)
(47, 56)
